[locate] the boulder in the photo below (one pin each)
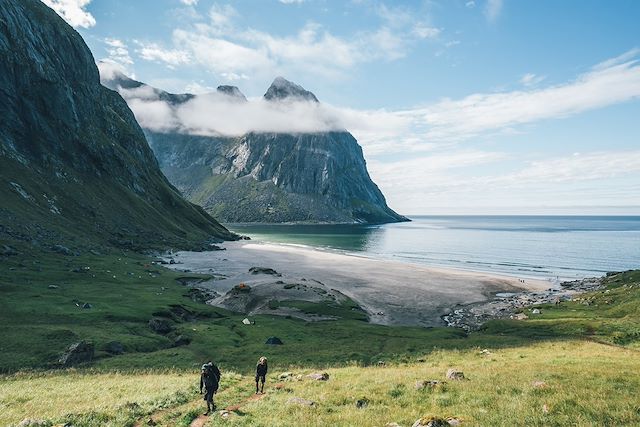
(362, 403)
(285, 375)
(536, 311)
(79, 352)
(6, 250)
(32, 422)
(300, 401)
(61, 250)
(160, 326)
(114, 347)
(264, 270)
(274, 341)
(431, 421)
(319, 376)
(429, 384)
(455, 375)
(181, 340)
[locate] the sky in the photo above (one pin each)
(461, 106)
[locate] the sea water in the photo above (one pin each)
(549, 247)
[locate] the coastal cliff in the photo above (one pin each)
(273, 177)
(74, 163)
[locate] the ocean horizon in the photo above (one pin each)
(549, 247)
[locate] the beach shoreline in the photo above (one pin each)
(391, 292)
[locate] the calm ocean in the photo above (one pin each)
(550, 247)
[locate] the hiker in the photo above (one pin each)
(261, 373)
(210, 380)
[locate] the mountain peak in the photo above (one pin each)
(282, 88)
(231, 91)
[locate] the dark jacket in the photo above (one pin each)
(261, 370)
(210, 377)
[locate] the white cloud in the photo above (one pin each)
(492, 9)
(73, 11)
(291, 1)
(155, 52)
(478, 113)
(189, 2)
(118, 52)
(470, 4)
(531, 79)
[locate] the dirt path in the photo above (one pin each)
(201, 420)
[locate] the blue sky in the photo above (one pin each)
(466, 106)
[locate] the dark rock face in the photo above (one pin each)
(79, 352)
(269, 177)
(282, 89)
(232, 91)
(274, 177)
(75, 164)
(115, 347)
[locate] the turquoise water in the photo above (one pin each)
(565, 247)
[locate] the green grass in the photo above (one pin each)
(126, 290)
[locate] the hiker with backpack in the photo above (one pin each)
(261, 373)
(210, 380)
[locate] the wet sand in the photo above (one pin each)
(392, 292)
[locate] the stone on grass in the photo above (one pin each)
(285, 375)
(520, 316)
(160, 326)
(274, 341)
(300, 401)
(431, 421)
(114, 347)
(429, 384)
(181, 340)
(455, 375)
(79, 352)
(539, 384)
(362, 403)
(319, 376)
(32, 422)
(536, 311)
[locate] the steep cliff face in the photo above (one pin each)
(74, 164)
(270, 177)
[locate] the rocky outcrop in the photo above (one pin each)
(318, 177)
(74, 163)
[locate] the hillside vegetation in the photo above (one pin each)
(585, 351)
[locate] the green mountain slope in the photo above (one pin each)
(75, 168)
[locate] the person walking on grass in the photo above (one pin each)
(261, 373)
(209, 380)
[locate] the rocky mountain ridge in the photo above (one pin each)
(274, 177)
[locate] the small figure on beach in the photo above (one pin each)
(209, 380)
(261, 373)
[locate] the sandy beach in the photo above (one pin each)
(393, 293)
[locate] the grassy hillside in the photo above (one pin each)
(583, 350)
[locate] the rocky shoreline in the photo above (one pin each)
(516, 305)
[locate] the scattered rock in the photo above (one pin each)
(319, 376)
(53, 286)
(381, 363)
(300, 401)
(151, 422)
(246, 321)
(455, 375)
(79, 352)
(429, 384)
(454, 421)
(392, 425)
(181, 340)
(520, 316)
(545, 409)
(431, 421)
(32, 422)
(362, 403)
(6, 250)
(160, 326)
(225, 414)
(539, 384)
(274, 341)
(62, 250)
(114, 347)
(285, 375)
(536, 311)
(264, 270)
(87, 305)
